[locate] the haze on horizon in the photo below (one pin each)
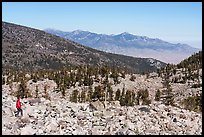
(175, 22)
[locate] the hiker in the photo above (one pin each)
(18, 106)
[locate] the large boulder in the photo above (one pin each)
(97, 105)
(108, 114)
(9, 111)
(115, 103)
(79, 131)
(6, 132)
(34, 101)
(130, 125)
(28, 130)
(29, 111)
(145, 109)
(25, 119)
(52, 126)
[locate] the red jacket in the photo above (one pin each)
(18, 104)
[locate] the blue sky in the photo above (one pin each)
(170, 21)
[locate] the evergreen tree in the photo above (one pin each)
(143, 94)
(157, 95)
(122, 98)
(22, 89)
(104, 71)
(90, 94)
(169, 99)
(110, 91)
(128, 98)
(117, 96)
(63, 90)
(174, 71)
(133, 98)
(45, 92)
(86, 80)
(115, 75)
(123, 75)
(74, 96)
(36, 91)
(132, 78)
(98, 93)
(83, 95)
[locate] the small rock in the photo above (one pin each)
(174, 120)
(119, 133)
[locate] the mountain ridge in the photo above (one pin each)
(130, 44)
(25, 47)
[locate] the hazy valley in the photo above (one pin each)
(131, 45)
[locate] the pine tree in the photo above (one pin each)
(123, 91)
(98, 93)
(63, 90)
(132, 78)
(128, 98)
(159, 72)
(22, 89)
(117, 96)
(45, 92)
(169, 99)
(74, 96)
(133, 98)
(110, 91)
(123, 75)
(83, 95)
(122, 98)
(157, 95)
(174, 71)
(36, 91)
(90, 93)
(104, 71)
(106, 80)
(86, 80)
(143, 94)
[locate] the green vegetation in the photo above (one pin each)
(132, 78)
(74, 97)
(157, 95)
(86, 76)
(117, 95)
(193, 103)
(36, 91)
(143, 95)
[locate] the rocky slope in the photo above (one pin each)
(66, 118)
(31, 49)
(57, 115)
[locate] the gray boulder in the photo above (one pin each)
(97, 105)
(27, 130)
(145, 109)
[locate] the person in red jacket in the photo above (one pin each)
(18, 106)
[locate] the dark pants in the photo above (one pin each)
(19, 110)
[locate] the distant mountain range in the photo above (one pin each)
(32, 49)
(129, 44)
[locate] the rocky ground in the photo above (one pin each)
(60, 116)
